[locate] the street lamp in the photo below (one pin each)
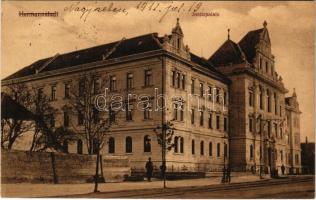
(165, 141)
(225, 154)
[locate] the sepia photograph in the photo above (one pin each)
(158, 99)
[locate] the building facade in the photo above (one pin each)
(225, 109)
(259, 130)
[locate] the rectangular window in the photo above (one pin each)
(148, 77)
(96, 86)
(173, 78)
(192, 116)
(53, 96)
(80, 118)
(268, 101)
(66, 119)
(67, 90)
(250, 125)
(112, 83)
(178, 80)
(193, 147)
(201, 118)
(181, 112)
(269, 129)
(217, 122)
(183, 82)
(112, 116)
(210, 149)
(52, 121)
(261, 99)
(275, 104)
(201, 89)
(210, 121)
(96, 116)
(175, 111)
(276, 130)
(267, 67)
(210, 93)
(81, 87)
(218, 149)
(250, 98)
(280, 111)
(225, 124)
(217, 95)
(147, 110)
(225, 98)
(192, 86)
(128, 112)
(129, 81)
(40, 94)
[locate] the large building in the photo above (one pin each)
(225, 109)
(261, 130)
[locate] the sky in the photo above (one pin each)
(291, 28)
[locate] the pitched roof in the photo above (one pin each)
(207, 64)
(10, 109)
(112, 50)
(228, 53)
(248, 43)
(124, 47)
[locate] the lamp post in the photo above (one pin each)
(224, 180)
(165, 141)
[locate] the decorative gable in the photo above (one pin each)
(174, 42)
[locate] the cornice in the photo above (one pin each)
(251, 72)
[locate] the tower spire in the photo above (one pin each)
(228, 34)
(294, 93)
(265, 24)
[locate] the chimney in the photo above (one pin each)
(306, 141)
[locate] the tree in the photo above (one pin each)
(33, 100)
(164, 135)
(15, 127)
(97, 118)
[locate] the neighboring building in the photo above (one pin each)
(258, 134)
(230, 99)
(142, 65)
(293, 128)
(308, 157)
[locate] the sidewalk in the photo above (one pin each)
(49, 190)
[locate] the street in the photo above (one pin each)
(288, 188)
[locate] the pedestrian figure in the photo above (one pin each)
(228, 174)
(149, 169)
(224, 175)
(163, 169)
(283, 169)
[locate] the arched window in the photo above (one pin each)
(129, 144)
(111, 145)
(218, 149)
(210, 149)
(176, 144)
(193, 147)
(147, 144)
(251, 151)
(79, 146)
(181, 144)
(65, 146)
(202, 148)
